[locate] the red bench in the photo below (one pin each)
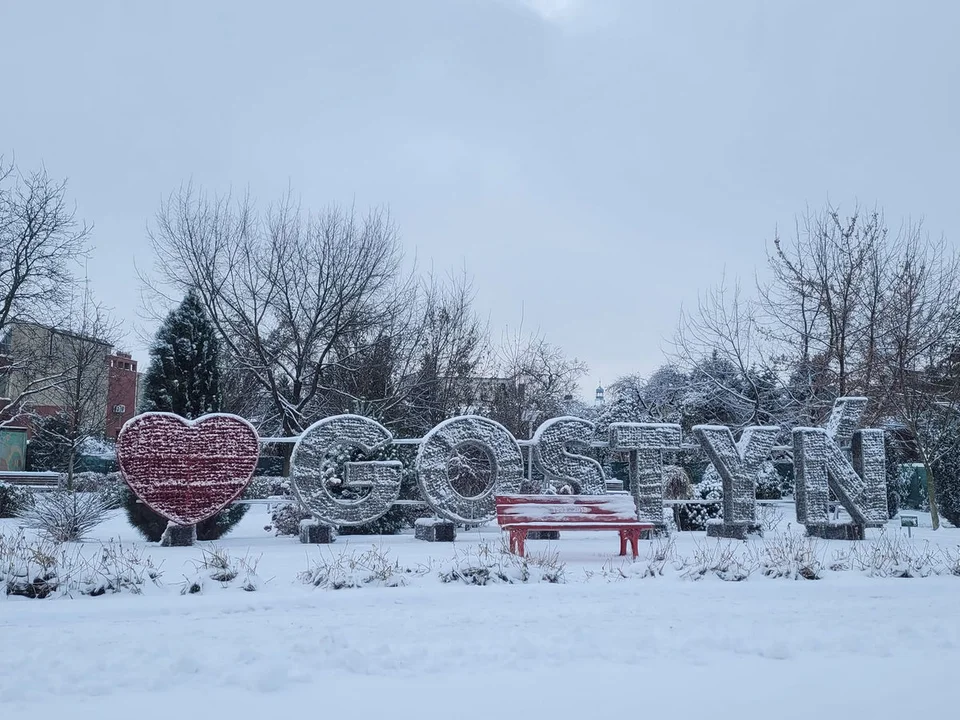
(519, 514)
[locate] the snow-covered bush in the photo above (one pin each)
(151, 525)
(694, 516)
(769, 482)
(724, 558)
(62, 516)
(890, 556)
(789, 556)
(351, 569)
(262, 487)
(37, 569)
(769, 517)
(484, 565)
(218, 565)
(947, 477)
(14, 500)
(285, 519)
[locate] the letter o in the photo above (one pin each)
(445, 444)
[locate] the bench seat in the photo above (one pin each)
(520, 514)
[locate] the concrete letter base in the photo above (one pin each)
(733, 531)
(313, 532)
(836, 531)
(435, 530)
(178, 535)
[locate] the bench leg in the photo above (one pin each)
(623, 543)
(518, 540)
(635, 542)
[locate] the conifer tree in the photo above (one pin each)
(184, 374)
(183, 378)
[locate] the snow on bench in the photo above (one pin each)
(519, 514)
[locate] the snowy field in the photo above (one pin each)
(606, 640)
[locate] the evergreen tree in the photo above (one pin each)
(183, 378)
(184, 374)
(947, 473)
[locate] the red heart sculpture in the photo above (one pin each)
(187, 470)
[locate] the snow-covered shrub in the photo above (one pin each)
(262, 487)
(889, 556)
(661, 552)
(769, 482)
(769, 517)
(952, 561)
(695, 516)
(62, 516)
(285, 519)
(218, 565)
(711, 486)
(947, 478)
(724, 558)
(38, 568)
(14, 500)
(351, 569)
(789, 556)
(151, 525)
(484, 565)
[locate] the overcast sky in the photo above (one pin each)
(593, 163)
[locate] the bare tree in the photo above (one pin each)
(450, 345)
(824, 305)
(921, 333)
(81, 356)
(292, 294)
(40, 240)
(722, 351)
(534, 379)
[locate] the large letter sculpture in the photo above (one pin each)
(820, 465)
(312, 457)
(443, 451)
(737, 465)
(554, 443)
(187, 471)
(646, 442)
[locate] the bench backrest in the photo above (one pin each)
(45, 479)
(572, 509)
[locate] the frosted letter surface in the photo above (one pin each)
(821, 465)
(737, 465)
(463, 462)
(312, 461)
(646, 442)
(555, 444)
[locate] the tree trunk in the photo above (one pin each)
(932, 496)
(286, 452)
(70, 465)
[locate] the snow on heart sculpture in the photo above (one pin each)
(187, 470)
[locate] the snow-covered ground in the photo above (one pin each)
(604, 641)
